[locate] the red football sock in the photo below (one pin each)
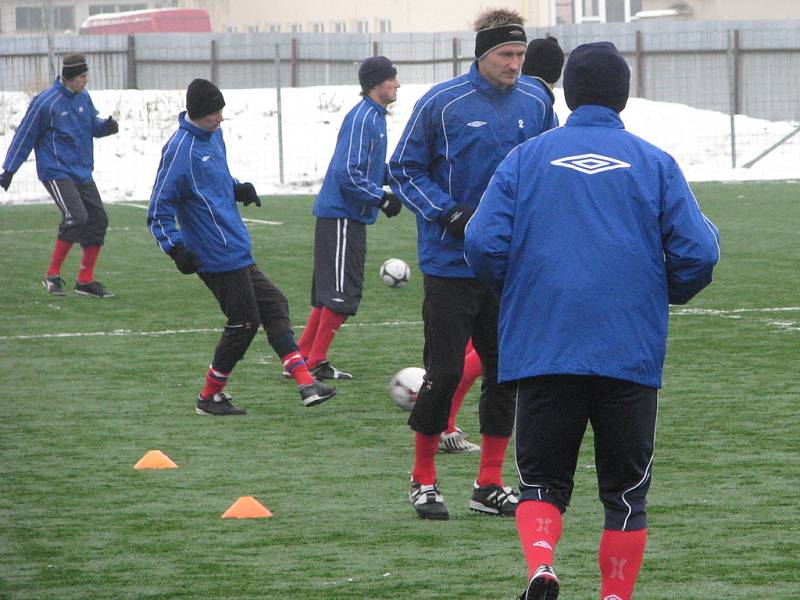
(88, 261)
(297, 368)
(539, 529)
(60, 251)
(329, 323)
(493, 453)
(310, 331)
(620, 557)
(425, 449)
(215, 382)
(472, 369)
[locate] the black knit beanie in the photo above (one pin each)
(73, 65)
(374, 71)
(203, 98)
(597, 73)
(544, 58)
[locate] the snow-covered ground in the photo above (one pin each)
(125, 164)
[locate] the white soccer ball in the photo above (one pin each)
(395, 273)
(405, 386)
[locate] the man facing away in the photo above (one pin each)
(59, 127)
(194, 219)
(457, 134)
(588, 233)
(349, 200)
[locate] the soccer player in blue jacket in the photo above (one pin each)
(194, 219)
(349, 200)
(588, 233)
(59, 127)
(544, 60)
(457, 134)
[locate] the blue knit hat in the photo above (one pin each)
(597, 73)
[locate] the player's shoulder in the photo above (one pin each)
(445, 91)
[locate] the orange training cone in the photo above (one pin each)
(155, 459)
(247, 507)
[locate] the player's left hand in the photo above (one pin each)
(111, 125)
(246, 194)
(455, 221)
(390, 205)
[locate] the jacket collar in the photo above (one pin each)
(483, 85)
(58, 84)
(192, 128)
(595, 115)
(378, 106)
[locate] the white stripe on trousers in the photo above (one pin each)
(59, 198)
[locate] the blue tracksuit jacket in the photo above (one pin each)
(194, 186)
(542, 85)
(457, 134)
(59, 126)
(353, 184)
(588, 232)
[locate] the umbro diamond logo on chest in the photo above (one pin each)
(590, 164)
(476, 123)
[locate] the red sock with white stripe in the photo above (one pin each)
(60, 251)
(472, 369)
(86, 274)
(493, 453)
(620, 557)
(310, 331)
(539, 529)
(425, 449)
(215, 382)
(295, 365)
(329, 323)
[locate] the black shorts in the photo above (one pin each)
(552, 414)
(340, 251)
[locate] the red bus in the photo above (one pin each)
(147, 21)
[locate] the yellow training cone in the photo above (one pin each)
(247, 507)
(155, 459)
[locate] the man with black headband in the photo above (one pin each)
(59, 126)
(194, 218)
(458, 133)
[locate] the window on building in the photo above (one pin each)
(97, 9)
(362, 27)
(274, 28)
(318, 27)
(564, 12)
(384, 25)
(339, 27)
(252, 29)
(29, 18)
(295, 28)
(64, 18)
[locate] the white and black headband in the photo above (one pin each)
(493, 37)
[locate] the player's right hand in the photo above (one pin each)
(455, 221)
(5, 179)
(186, 260)
(390, 205)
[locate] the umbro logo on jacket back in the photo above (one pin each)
(590, 164)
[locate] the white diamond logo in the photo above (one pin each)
(476, 123)
(612, 597)
(590, 164)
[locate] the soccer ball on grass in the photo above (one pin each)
(395, 273)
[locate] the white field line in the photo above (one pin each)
(54, 229)
(257, 221)
(678, 312)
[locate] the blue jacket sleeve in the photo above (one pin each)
(352, 166)
(487, 238)
(411, 164)
(167, 191)
(99, 126)
(690, 240)
(29, 130)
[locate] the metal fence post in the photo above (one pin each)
(280, 111)
(131, 57)
(456, 52)
(213, 62)
(639, 65)
(732, 91)
(294, 63)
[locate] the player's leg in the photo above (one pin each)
(92, 239)
(496, 412)
(454, 439)
(312, 322)
(551, 418)
(236, 297)
(73, 217)
(448, 309)
(339, 258)
(623, 416)
(273, 311)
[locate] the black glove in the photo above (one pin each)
(186, 260)
(111, 125)
(246, 194)
(456, 220)
(5, 179)
(390, 205)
